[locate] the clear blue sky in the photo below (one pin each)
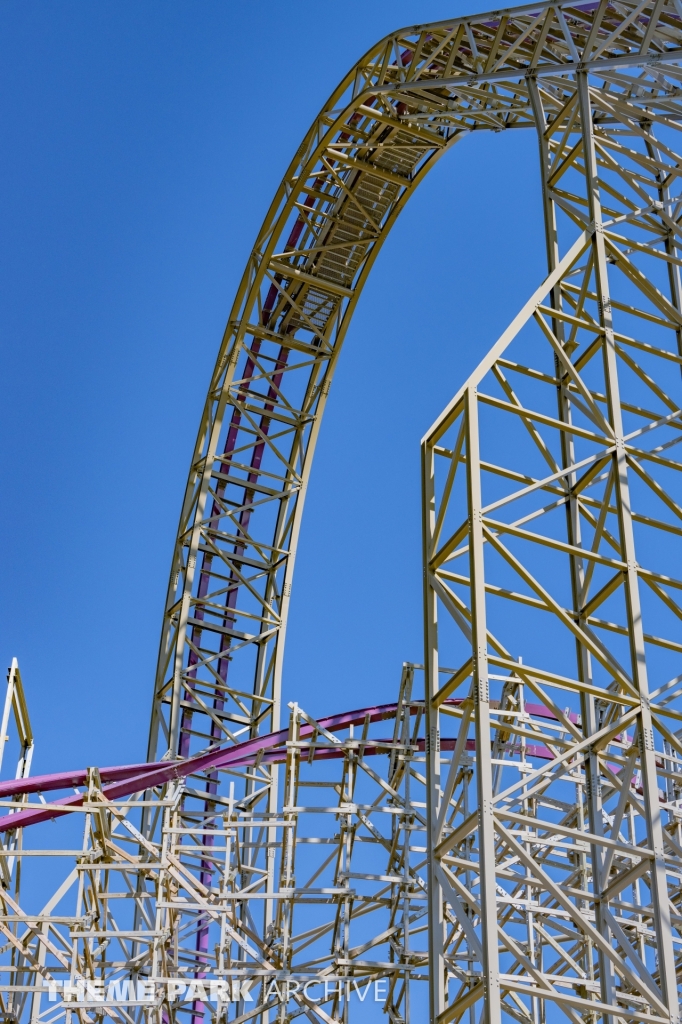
(142, 141)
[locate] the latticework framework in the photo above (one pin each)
(168, 926)
(513, 836)
(552, 526)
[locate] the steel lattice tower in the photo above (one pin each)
(510, 844)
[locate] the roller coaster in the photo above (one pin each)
(504, 840)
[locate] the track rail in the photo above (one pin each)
(123, 780)
(512, 864)
(407, 101)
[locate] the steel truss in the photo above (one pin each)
(552, 520)
(527, 861)
(119, 934)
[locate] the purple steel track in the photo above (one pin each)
(124, 780)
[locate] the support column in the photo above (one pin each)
(659, 885)
(592, 790)
(484, 779)
(437, 977)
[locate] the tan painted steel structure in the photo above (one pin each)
(526, 856)
(552, 492)
(113, 924)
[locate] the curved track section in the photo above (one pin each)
(124, 780)
(221, 650)
(410, 98)
(531, 862)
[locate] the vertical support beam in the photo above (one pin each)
(551, 238)
(9, 698)
(592, 789)
(290, 817)
(437, 979)
(484, 778)
(407, 826)
(36, 996)
(659, 884)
